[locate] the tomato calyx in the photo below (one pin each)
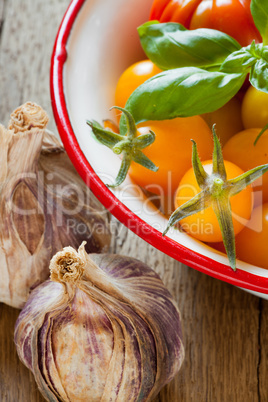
(129, 145)
(216, 191)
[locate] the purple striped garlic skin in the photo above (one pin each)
(104, 328)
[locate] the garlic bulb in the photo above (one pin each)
(104, 328)
(44, 205)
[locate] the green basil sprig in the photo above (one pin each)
(252, 59)
(259, 11)
(243, 59)
(170, 45)
(185, 91)
(204, 68)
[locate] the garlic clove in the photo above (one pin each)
(103, 328)
(5, 137)
(50, 143)
(29, 227)
(44, 205)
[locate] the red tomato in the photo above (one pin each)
(230, 16)
(251, 243)
(204, 225)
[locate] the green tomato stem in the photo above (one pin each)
(216, 192)
(130, 145)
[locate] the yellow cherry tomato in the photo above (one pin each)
(132, 78)
(251, 242)
(171, 152)
(255, 108)
(227, 119)
(240, 149)
(204, 225)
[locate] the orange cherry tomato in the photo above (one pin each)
(227, 119)
(204, 225)
(255, 108)
(240, 149)
(110, 125)
(230, 16)
(251, 243)
(132, 78)
(171, 152)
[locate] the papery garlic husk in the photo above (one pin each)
(44, 205)
(103, 328)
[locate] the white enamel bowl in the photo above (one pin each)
(96, 41)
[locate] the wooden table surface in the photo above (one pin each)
(225, 329)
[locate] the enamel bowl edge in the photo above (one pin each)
(94, 44)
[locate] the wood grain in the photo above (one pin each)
(225, 329)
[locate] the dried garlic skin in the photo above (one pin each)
(44, 205)
(113, 327)
(28, 116)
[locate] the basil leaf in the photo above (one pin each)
(238, 62)
(259, 75)
(170, 45)
(259, 11)
(182, 92)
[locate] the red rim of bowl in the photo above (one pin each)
(175, 250)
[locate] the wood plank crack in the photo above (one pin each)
(259, 347)
(2, 16)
